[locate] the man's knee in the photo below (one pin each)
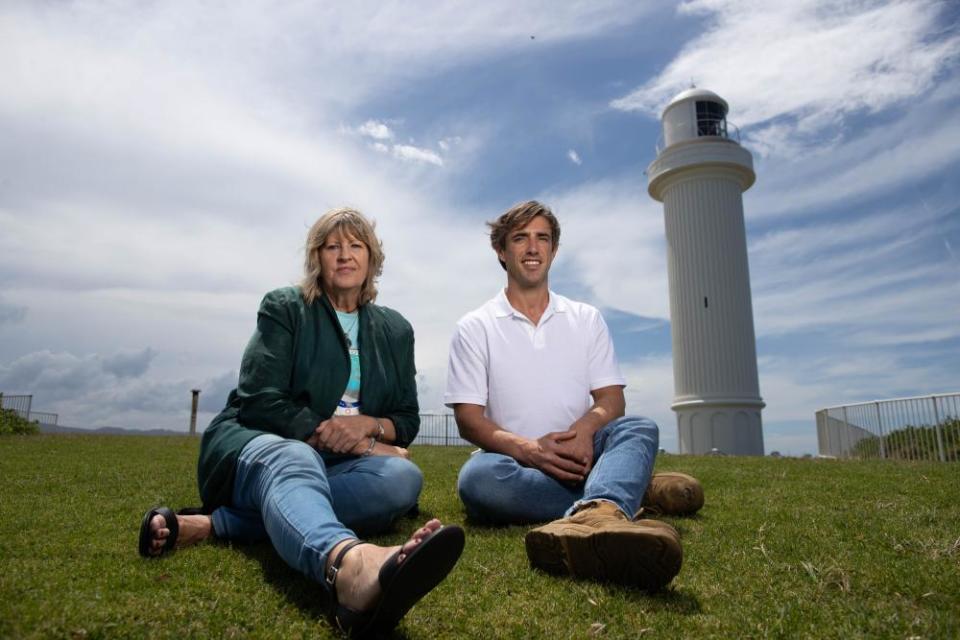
(475, 476)
(636, 426)
(482, 487)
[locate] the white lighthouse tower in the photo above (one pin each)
(700, 175)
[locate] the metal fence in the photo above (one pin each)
(439, 429)
(918, 428)
(22, 405)
(44, 417)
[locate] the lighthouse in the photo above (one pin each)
(700, 174)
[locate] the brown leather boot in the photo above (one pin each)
(599, 542)
(673, 494)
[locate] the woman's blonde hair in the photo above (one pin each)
(353, 223)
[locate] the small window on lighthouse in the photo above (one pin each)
(711, 119)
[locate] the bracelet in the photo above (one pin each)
(373, 443)
(379, 436)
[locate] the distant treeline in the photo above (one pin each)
(914, 443)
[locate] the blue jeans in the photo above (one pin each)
(305, 504)
(497, 489)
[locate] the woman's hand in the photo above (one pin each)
(381, 449)
(344, 434)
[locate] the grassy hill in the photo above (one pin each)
(783, 548)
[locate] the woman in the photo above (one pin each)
(311, 445)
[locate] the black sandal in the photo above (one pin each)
(403, 584)
(343, 618)
(146, 538)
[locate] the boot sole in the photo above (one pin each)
(629, 555)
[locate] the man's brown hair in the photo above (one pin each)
(517, 217)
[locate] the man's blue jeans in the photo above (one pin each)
(305, 504)
(496, 489)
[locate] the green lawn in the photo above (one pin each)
(783, 548)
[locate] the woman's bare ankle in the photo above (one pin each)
(358, 577)
(357, 582)
(194, 529)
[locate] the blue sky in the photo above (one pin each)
(161, 162)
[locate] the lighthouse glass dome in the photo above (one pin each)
(695, 113)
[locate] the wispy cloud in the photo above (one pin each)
(416, 154)
(902, 149)
(446, 144)
(574, 157)
(790, 70)
(649, 393)
(612, 243)
(159, 176)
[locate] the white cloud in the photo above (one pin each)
(574, 157)
(448, 143)
(885, 159)
(129, 364)
(181, 167)
(612, 241)
(649, 393)
(796, 69)
(376, 130)
(416, 154)
(339, 54)
(380, 135)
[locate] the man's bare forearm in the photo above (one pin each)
(485, 433)
(608, 405)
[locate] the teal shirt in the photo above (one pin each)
(350, 323)
(294, 371)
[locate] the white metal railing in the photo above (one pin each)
(917, 428)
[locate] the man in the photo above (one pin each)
(534, 382)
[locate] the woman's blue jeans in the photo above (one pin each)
(306, 503)
(497, 489)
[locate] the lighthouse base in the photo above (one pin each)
(731, 430)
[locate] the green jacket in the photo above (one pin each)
(293, 373)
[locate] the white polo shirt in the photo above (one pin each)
(531, 379)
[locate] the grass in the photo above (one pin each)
(783, 548)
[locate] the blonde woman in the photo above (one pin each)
(311, 447)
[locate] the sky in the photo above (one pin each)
(160, 164)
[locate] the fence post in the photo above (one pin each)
(936, 426)
(847, 448)
(883, 447)
(446, 430)
(193, 410)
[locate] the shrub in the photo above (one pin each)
(12, 423)
(914, 443)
